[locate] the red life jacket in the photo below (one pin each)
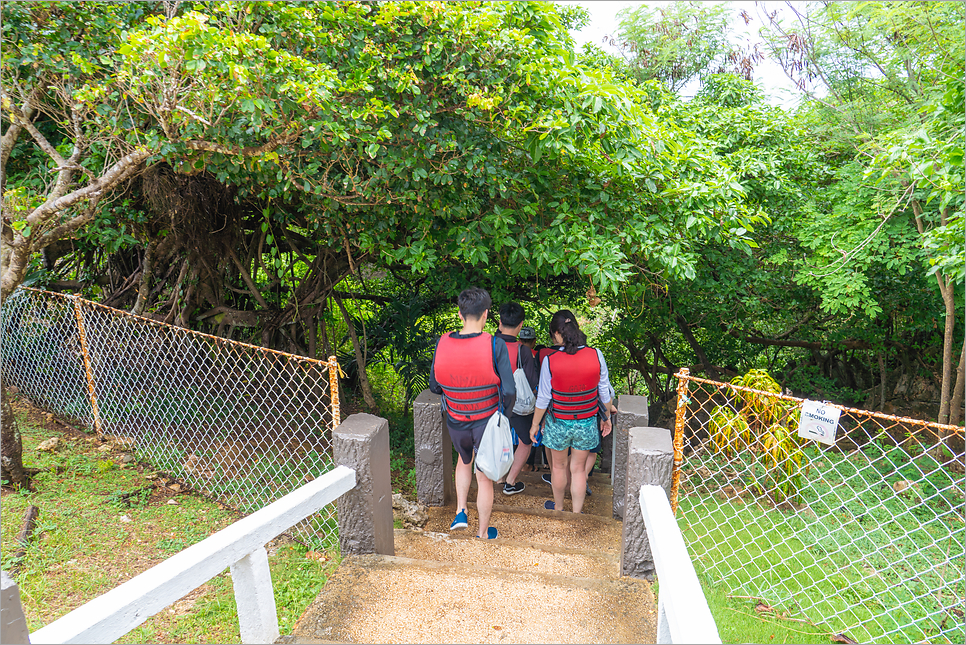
(573, 383)
(545, 352)
(465, 369)
(513, 348)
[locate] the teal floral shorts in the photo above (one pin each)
(579, 434)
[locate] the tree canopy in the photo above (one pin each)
(280, 171)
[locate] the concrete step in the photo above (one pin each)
(525, 556)
(536, 492)
(536, 526)
(383, 599)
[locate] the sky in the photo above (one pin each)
(768, 75)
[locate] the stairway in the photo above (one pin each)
(551, 577)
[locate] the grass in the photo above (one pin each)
(858, 559)
(82, 547)
(744, 620)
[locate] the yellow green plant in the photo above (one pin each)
(767, 427)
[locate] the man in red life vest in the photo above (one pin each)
(511, 322)
(469, 369)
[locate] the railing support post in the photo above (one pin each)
(663, 629)
(13, 623)
(434, 451)
(361, 442)
(649, 461)
(631, 413)
(255, 598)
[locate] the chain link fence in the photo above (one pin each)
(242, 424)
(864, 537)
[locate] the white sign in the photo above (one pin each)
(819, 422)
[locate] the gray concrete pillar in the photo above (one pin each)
(434, 452)
(13, 623)
(650, 460)
(631, 413)
(361, 442)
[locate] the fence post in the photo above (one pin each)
(365, 512)
(255, 598)
(334, 390)
(649, 461)
(631, 413)
(682, 377)
(87, 366)
(434, 451)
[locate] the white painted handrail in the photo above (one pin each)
(240, 546)
(683, 614)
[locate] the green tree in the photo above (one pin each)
(893, 76)
(271, 149)
(681, 42)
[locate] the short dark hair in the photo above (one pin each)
(473, 302)
(511, 314)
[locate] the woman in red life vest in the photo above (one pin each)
(573, 384)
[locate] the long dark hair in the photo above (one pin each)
(564, 322)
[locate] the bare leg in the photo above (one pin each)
(520, 457)
(464, 476)
(566, 457)
(578, 478)
(591, 460)
(484, 501)
(558, 477)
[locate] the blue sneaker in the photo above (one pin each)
(491, 533)
(546, 478)
(460, 521)
(549, 505)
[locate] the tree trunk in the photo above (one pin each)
(360, 360)
(959, 390)
(696, 347)
(946, 289)
(11, 446)
(882, 383)
(144, 288)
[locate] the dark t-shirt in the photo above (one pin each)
(502, 359)
(527, 361)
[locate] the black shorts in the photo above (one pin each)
(600, 437)
(521, 425)
(467, 441)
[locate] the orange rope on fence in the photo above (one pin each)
(679, 436)
(200, 334)
(245, 425)
(876, 506)
(683, 374)
(334, 390)
(87, 366)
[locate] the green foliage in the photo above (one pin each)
(728, 91)
(676, 43)
(767, 427)
(415, 147)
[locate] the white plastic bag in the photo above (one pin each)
(495, 455)
(526, 401)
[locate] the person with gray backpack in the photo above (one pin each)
(526, 375)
